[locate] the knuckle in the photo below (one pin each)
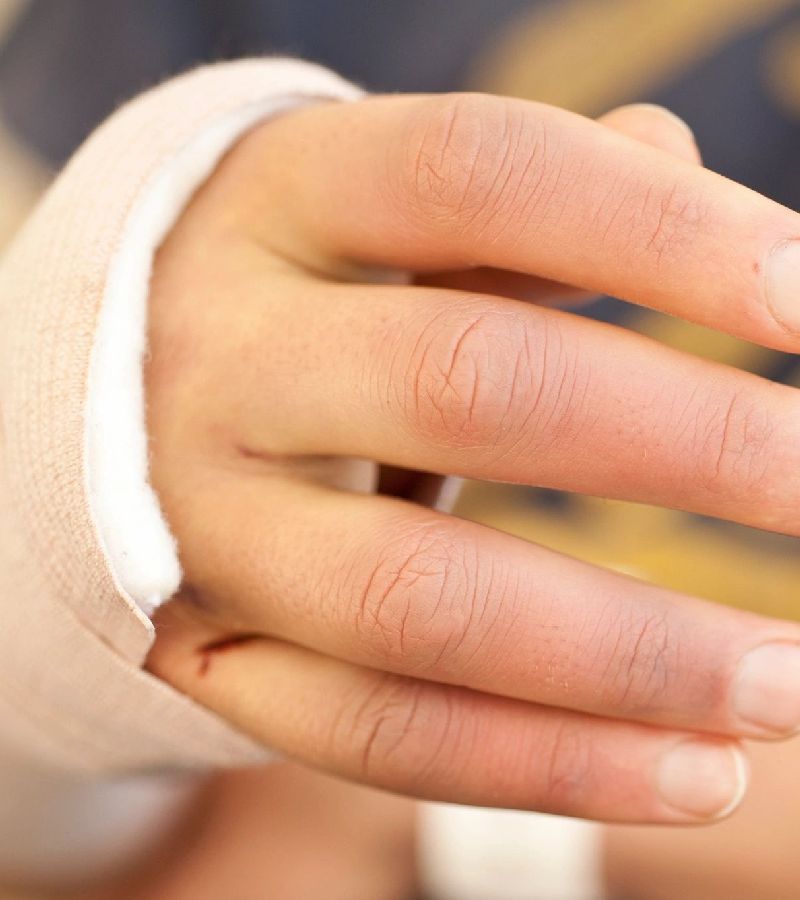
(421, 603)
(649, 662)
(451, 398)
(568, 769)
(386, 726)
(465, 155)
(667, 223)
(640, 656)
(490, 380)
(736, 444)
(396, 731)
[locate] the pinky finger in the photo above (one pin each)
(448, 743)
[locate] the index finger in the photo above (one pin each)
(431, 183)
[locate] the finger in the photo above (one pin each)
(448, 743)
(390, 585)
(435, 183)
(644, 122)
(656, 126)
(499, 390)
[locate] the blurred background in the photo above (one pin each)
(731, 69)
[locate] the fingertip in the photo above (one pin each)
(657, 126)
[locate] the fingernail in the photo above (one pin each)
(766, 691)
(783, 284)
(703, 780)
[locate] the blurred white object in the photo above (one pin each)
(62, 829)
(470, 854)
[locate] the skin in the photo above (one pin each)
(373, 638)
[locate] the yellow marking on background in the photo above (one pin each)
(590, 55)
(9, 10)
(782, 69)
(701, 341)
(729, 564)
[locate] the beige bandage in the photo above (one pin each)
(84, 553)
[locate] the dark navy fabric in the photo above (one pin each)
(68, 64)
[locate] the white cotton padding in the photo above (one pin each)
(133, 533)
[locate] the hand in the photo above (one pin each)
(377, 639)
